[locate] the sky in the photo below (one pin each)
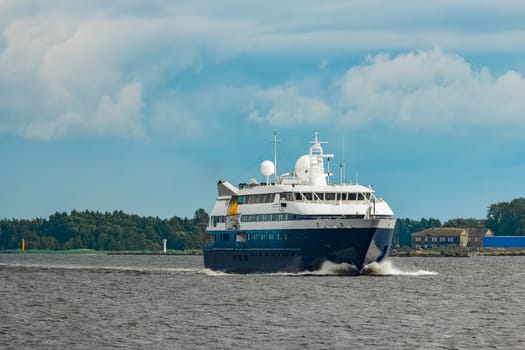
(142, 106)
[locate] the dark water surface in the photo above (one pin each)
(171, 302)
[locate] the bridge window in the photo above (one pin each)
(217, 219)
(288, 196)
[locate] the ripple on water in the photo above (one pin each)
(158, 302)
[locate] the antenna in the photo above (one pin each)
(341, 172)
(343, 164)
(328, 178)
(275, 154)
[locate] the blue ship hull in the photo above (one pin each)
(302, 250)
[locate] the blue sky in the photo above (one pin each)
(142, 106)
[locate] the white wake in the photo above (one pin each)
(387, 268)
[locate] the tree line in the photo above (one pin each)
(503, 218)
(120, 231)
(114, 231)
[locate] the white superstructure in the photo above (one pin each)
(305, 192)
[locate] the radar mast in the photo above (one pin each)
(275, 155)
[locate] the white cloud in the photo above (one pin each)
(80, 77)
(72, 61)
(118, 115)
(430, 89)
(424, 89)
(286, 106)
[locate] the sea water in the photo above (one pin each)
(172, 302)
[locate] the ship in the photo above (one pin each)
(298, 221)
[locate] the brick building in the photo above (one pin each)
(437, 237)
(448, 237)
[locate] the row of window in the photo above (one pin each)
(298, 196)
(277, 217)
(255, 236)
(245, 257)
(256, 198)
(270, 236)
(328, 196)
(434, 239)
(425, 246)
(445, 239)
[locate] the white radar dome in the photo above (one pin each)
(267, 168)
(302, 166)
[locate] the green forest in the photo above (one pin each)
(504, 219)
(118, 231)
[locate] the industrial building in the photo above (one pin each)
(504, 242)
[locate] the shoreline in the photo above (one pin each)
(428, 253)
(459, 253)
(101, 252)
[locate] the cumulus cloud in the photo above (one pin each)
(424, 89)
(286, 106)
(91, 75)
(115, 115)
(430, 89)
(61, 78)
(81, 64)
